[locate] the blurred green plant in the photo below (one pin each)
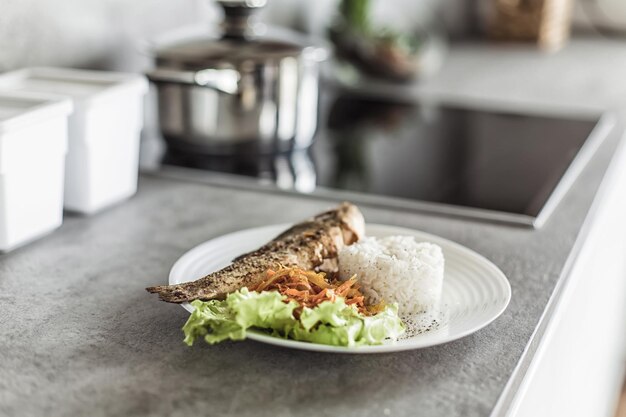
(381, 51)
(356, 13)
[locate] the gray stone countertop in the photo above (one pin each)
(80, 336)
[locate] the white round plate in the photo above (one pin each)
(475, 291)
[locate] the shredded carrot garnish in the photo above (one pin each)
(310, 288)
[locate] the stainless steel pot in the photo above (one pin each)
(239, 90)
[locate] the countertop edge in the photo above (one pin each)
(511, 390)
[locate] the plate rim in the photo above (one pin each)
(258, 336)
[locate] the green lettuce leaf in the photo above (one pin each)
(383, 325)
(265, 310)
(336, 314)
(214, 321)
(330, 323)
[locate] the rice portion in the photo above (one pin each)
(396, 269)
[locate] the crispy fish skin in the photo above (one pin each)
(308, 245)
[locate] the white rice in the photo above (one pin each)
(396, 269)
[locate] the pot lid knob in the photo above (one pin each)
(246, 4)
(238, 16)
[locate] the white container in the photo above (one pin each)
(33, 144)
(104, 130)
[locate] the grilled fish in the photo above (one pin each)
(312, 244)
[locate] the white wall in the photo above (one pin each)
(87, 33)
(107, 33)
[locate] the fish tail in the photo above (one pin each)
(170, 293)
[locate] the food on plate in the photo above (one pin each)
(310, 288)
(320, 281)
(309, 245)
(398, 269)
(296, 304)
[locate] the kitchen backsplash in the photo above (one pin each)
(108, 33)
(85, 33)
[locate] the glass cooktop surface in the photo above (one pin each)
(483, 163)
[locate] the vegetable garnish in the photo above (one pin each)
(330, 322)
(310, 289)
(293, 303)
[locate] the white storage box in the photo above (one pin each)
(33, 143)
(104, 130)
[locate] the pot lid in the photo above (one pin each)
(241, 37)
(207, 51)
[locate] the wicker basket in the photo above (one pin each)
(546, 22)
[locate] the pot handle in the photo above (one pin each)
(222, 80)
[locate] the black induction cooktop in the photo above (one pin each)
(458, 160)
